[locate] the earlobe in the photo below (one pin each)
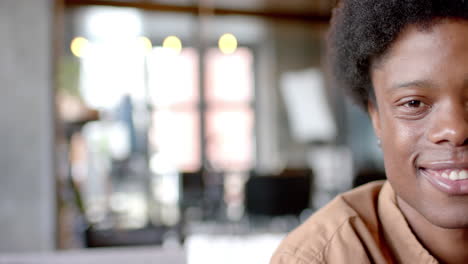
(375, 118)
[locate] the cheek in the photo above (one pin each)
(400, 141)
(398, 138)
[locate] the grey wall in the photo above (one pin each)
(298, 47)
(26, 130)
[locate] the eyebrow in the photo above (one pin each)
(418, 83)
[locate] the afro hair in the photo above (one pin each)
(363, 30)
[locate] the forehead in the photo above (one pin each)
(415, 36)
(436, 51)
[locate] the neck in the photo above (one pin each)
(446, 245)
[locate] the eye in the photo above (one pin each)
(413, 107)
(414, 104)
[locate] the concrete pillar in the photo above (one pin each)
(27, 192)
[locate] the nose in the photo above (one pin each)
(450, 125)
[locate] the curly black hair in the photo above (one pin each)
(363, 30)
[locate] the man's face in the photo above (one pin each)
(421, 117)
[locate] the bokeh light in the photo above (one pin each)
(174, 43)
(227, 43)
(78, 46)
(146, 43)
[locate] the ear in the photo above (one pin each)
(375, 117)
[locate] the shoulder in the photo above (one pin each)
(339, 225)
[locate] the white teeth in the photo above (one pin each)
(453, 175)
(463, 175)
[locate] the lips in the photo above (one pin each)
(450, 178)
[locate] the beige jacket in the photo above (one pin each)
(363, 225)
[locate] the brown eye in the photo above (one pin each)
(414, 104)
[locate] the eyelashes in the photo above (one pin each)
(414, 104)
(412, 108)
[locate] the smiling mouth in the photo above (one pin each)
(452, 174)
(454, 170)
(452, 181)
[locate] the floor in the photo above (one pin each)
(145, 255)
(198, 249)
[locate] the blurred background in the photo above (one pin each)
(182, 131)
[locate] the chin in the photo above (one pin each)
(449, 220)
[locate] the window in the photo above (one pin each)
(175, 96)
